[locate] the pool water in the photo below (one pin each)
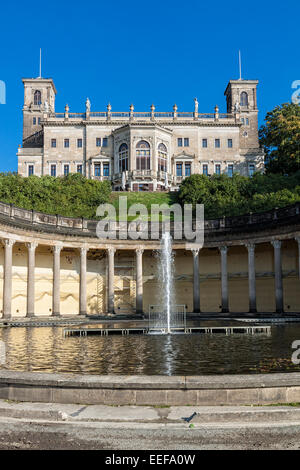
(44, 349)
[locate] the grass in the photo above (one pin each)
(145, 198)
(295, 404)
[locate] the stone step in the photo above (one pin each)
(183, 415)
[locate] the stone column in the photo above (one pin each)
(31, 279)
(251, 277)
(56, 281)
(111, 279)
(7, 279)
(278, 276)
(139, 280)
(298, 241)
(224, 279)
(196, 281)
(82, 294)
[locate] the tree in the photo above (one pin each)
(280, 137)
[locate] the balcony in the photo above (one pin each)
(101, 177)
(144, 175)
(143, 116)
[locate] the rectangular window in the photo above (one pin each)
(230, 170)
(204, 143)
(66, 143)
(39, 121)
(34, 121)
(53, 143)
(79, 169)
(98, 142)
(229, 143)
(205, 169)
(178, 169)
(105, 142)
(179, 142)
(97, 168)
(251, 169)
(30, 170)
(53, 170)
(247, 122)
(186, 142)
(187, 169)
(242, 120)
(217, 143)
(79, 143)
(66, 170)
(105, 169)
(218, 169)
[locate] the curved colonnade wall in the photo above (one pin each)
(53, 265)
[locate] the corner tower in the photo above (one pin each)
(241, 95)
(39, 96)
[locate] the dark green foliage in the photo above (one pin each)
(76, 196)
(280, 137)
(72, 196)
(222, 195)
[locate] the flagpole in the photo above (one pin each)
(240, 65)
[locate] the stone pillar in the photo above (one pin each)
(139, 280)
(31, 279)
(298, 241)
(196, 281)
(82, 294)
(251, 277)
(111, 279)
(278, 276)
(56, 281)
(224, 279)
(7, 279)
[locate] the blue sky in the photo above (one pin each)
(144, 52)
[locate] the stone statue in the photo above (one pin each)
(46, 107)
(196, 105)
(166, 181)
(123, 181)
(87, 105)
(237, 107)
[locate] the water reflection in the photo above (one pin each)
(46, 350)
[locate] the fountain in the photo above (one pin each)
(166, 277)
(166, 316)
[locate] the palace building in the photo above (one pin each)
(139, 151)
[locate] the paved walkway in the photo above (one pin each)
(68, 426)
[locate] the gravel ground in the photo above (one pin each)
(25, 434)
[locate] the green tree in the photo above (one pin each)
(280, 137)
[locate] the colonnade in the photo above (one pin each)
(31, 247)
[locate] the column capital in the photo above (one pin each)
(83, 250)
(139, 251)
(8, 242)
(250, 246)
(57, 248)
(195, 251)
(223, 249)
(276, 244)
(31, 245)
(111, 250)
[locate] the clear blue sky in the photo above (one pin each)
(143, 52)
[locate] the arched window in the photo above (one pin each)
(244, 99)
(123, 158)
(162, 158)
(143, 155)
(37, 98)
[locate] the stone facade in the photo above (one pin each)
(139, 151)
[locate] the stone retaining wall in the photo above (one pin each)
(258, 389)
